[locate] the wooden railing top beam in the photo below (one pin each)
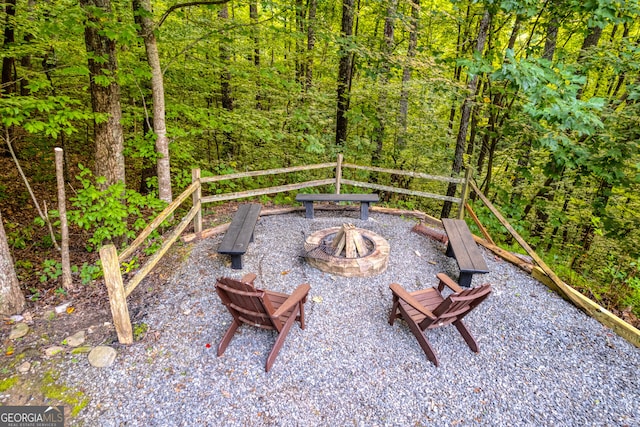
(157, 221)
(405, 173)
(400, 190)
(268, 190)
(267, 172)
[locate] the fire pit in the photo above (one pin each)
(347, 251)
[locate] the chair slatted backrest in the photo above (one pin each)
(456, 306)
(247, 304)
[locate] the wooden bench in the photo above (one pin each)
(464, 249)
(364, 200)
(240, 233)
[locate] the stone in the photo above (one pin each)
(18, 331)
(76, 339)
(24, 367)
(102, 356)
(53, 350)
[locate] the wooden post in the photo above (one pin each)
(117, 298)
(338, 173)
(465, 191)
(67, 282)
(197, 195)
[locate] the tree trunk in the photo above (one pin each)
(253, 17)
(311, 41)
(225, 76)
(8, 62)
(105, 94)
(381, 109)
(465, 114)
(460, 48)
(301, 63)
(406, 74)
(11, 297)
(551, 39)
(344, 73)
(142, 9)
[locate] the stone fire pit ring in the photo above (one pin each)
(374, 263)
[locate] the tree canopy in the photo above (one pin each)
(539, 98)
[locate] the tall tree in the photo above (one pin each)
(11, 297)
(225, 75)
(344, 72)
(385, 65)
(8, 84)
(311, 41)
(465, 113)
(142, 10)
(406, 73)
(105, 92)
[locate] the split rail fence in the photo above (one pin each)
(118, 291)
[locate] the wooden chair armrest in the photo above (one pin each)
(298, 295)
(399, 291)
(448, 281)
(248, 278)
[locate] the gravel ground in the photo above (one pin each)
(542, 362)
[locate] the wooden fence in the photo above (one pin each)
(111, 261)
(118, 291)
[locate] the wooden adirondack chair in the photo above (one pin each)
(428, 309)
(261, 308)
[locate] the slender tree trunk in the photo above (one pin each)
(406, 74)
(11, 297)
(344, 74)
(225, 76)
(8, 85)
(301, 62)
(311, 41)
(142, 9)
(381, 108)
(255, 35)
(105, 98)
(465, 114)
(25, 61)
(590, 41)
(460, 48)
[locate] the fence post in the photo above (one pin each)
(196, 196)
(465, 191)
(117, 296)
(338, 173)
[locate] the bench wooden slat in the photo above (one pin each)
(240, 233)
(364, 200)
(326, 197)
(463, 247)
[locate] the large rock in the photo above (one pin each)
(102, 356)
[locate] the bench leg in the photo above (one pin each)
(449, 252)
(308, 206)
(465, 279)
(236, 262)
(364, 211)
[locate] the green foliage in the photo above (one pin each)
(112, 214)
(51, 270)
(89, 272)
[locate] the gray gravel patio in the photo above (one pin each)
(542, 362)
